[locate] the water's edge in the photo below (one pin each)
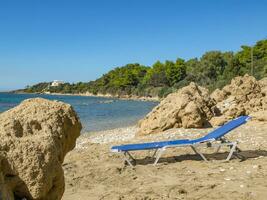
(125, 97)
(95, 113)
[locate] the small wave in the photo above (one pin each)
(7, 104)
(106, 101)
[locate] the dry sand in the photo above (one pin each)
(93, 173)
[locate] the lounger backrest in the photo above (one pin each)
(226, 128)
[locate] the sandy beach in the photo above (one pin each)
(93, 172)
(121, 100)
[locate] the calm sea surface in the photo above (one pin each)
(96, 113)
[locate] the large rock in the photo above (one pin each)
(193, 107)
(35, 137)
(259, 116)
(263, 84)
(243, 96)
(5, 192)
(218, 120)
(189, 107)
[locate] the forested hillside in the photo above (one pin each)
(213, 70)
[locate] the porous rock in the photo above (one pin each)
(259, 116)
(35, 137)
(244, 95)
(193, 106)
(218, 120)
(189, 107)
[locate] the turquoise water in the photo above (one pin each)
(96, 113)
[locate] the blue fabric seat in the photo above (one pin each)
(223, 130)
(146, 146)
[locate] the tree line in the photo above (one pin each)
(213, 70)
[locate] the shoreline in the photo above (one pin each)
(134, 98)
(121, 134)
(128, 134)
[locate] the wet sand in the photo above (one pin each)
(93, 173)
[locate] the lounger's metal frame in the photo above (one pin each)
(234, 150)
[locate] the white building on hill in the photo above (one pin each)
(56, 83)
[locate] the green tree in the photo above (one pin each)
(213, 70)
(212, 64)
(157, 76)
(175, 71)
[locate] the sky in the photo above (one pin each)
(79, 40)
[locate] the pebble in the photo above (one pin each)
(108, 136)
(128, 135)
(120, 135)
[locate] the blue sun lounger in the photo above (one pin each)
(213, 139)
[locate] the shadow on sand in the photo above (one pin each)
(248, 154)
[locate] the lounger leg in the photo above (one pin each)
(199, 153)
(238, 155)
(155, 152)
(160, 151)
(127, 159)
(130, 156)
(233, 148)
(218, 149)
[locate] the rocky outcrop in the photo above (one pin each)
(35, 137)
(243, 96)
(218, 120)
(259, 116)
(193, 107)
(189, 107)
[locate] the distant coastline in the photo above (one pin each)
(122, 97)
(213, 70)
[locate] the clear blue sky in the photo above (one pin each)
(79, 40)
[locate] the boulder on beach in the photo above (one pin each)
(244, 95)
(263, 84)
(259, 116)
(35, 137)
(189, 107)
(193, 106)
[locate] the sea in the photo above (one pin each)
(95, 113)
